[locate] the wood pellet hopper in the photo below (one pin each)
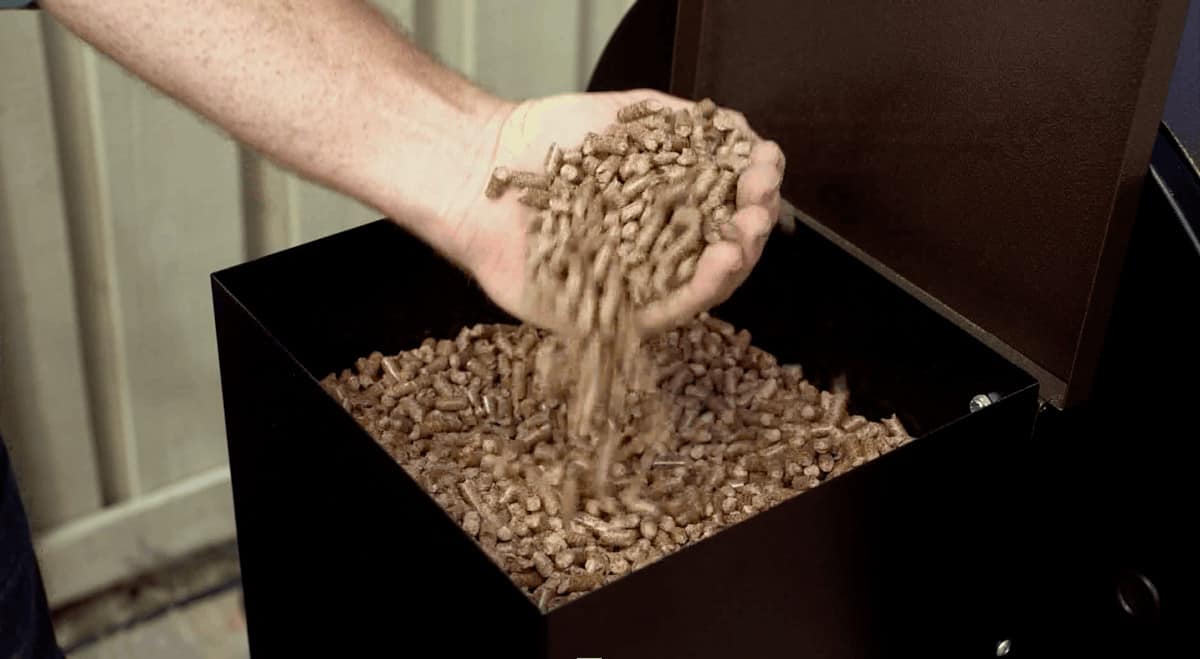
(998, 242)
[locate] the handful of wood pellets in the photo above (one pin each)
(624, 216)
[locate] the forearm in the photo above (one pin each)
(327, 88)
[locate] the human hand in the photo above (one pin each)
(490, 234)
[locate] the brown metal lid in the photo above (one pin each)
(988, 156)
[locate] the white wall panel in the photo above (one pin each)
(115, 205)
(43, 407)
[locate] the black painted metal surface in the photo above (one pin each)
(343, 554)
(1102, 496)
(638, 54)
(1114, 478)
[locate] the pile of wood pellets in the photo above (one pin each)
(719, 433)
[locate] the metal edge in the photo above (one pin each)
(1053, 389)
(1174, 174)
(332, 405)
(1126, 195)
(1184, 154)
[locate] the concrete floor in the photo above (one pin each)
(190, 609)
(208, 628)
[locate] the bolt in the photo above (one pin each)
(1003, 647)
(980, 401)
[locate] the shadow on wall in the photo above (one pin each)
(16, 419)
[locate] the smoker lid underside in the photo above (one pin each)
(989, 159)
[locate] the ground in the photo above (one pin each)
(210, 628)
(191, 609)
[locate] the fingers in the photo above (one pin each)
(758, 204)
(769, 152)
(758, 185)
(751, 227)
(719, 265)
(755, 224)
(723, 266)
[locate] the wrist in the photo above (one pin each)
(427, 172)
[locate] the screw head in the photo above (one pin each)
(1003, 647)
(980, 401)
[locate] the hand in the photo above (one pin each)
(490, 234)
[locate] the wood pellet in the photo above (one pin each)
(715, 432)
